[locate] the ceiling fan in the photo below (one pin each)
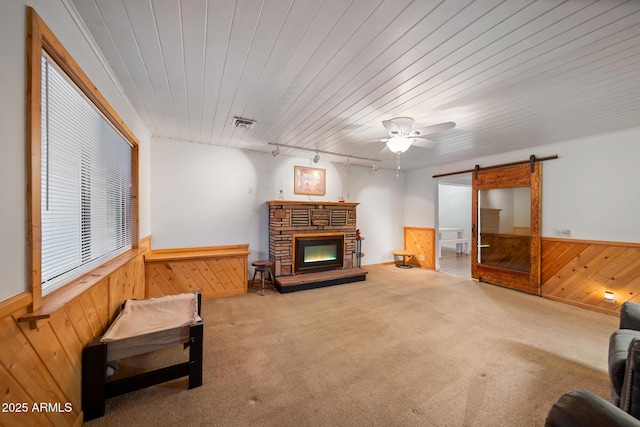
(401, 137)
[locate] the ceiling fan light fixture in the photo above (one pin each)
(399, 145)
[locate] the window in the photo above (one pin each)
(82, 168)
(85, 183)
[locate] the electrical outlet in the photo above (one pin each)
(250, 191)
(564, 232)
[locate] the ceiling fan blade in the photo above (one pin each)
(372, 141)
(390, 126)
(423, 143)
(403, 123)
(436, 128)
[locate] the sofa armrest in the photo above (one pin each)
(630, 394)
(580, 408)
(630, 316)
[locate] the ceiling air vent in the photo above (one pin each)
(243, 123)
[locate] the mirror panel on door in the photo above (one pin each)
(504, 230)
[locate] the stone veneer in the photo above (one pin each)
(287, 218)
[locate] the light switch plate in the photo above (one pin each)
(564, 232)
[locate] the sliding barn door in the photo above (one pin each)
(506, 227)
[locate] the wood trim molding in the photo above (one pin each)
(592, 242)
(582, 305)
(306, 202)
(145, 243)
(161, 255)
(15, 303)
(63, 296)
(54, 48)
(33, 146)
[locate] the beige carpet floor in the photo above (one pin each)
(405, 348)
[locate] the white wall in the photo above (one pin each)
(591, 188)
(502, 199)
(13, 248)
(204, 195)
(454, 209)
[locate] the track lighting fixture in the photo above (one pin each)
(375, 167)
(316, 158)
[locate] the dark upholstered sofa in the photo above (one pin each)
(620, 346)
(582, 408)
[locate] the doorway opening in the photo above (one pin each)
(453, 233)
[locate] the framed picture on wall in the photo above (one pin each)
(309, 181)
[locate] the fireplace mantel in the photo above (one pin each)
(292, 217)
(301, 202)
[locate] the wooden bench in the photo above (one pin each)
(143, 326)
(462, 245)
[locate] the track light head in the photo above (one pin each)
(375, 167)
(316, 158)
(276, 152)
(347, 163)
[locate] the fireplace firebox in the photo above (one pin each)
(318, 252)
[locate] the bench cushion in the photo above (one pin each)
(144, 316)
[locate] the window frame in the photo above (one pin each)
(41, 39)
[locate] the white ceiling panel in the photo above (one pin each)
(118, 24)
(324, 74)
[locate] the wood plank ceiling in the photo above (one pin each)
(323, 74)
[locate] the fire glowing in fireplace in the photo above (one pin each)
(320, 253)
(317, 252)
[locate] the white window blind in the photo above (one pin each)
(86, 183)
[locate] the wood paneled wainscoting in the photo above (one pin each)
(578, 272)
(213, 270)
(422, 242)
(42, 366)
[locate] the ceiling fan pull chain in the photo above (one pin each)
(398, 163)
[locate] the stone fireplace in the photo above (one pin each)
(299, 221)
